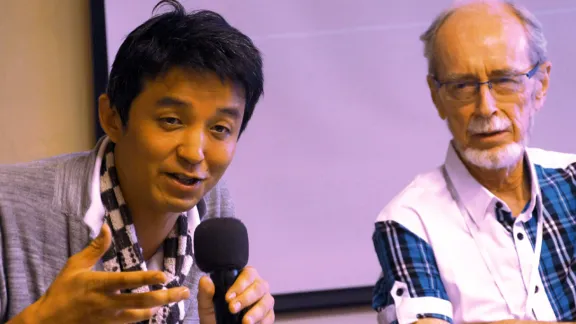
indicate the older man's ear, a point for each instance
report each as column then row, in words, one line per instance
column 434, row 94
column 543, row 82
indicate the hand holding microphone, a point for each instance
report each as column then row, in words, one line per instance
column 232, row 293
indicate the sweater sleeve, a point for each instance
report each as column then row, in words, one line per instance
column 3, row 289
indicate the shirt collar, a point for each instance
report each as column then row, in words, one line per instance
column 475, row 198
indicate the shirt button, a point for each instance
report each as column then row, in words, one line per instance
column 536, row 289
column 520, row 236
column 399, row 292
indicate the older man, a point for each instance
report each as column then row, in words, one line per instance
column 490, row 235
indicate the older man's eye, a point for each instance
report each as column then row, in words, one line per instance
column 463, row 85
column 505, row 80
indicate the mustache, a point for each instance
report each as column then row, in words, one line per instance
column 482, row 125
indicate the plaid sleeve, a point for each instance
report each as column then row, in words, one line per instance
column 410, row 287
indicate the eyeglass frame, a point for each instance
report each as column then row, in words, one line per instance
column 528, row 74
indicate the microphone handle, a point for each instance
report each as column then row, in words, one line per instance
column 223, row 280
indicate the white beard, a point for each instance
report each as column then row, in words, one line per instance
column 503, row 157
column 496, row 158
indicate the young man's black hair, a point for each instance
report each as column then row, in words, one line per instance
column 200, row 40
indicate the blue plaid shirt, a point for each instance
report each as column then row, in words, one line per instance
column 408, row 258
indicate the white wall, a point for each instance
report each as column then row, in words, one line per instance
column 45, row 79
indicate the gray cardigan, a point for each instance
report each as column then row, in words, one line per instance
column 42, row 206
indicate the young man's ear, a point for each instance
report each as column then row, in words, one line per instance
column 109, row 119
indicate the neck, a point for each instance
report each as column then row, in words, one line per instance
column 511, row 185
column 509, row 180
column 151, row 228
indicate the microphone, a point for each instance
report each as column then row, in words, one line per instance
column 221, row 250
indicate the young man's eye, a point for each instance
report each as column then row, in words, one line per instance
column 171, row 121
column 221, row 129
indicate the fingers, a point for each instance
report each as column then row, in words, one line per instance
column 205, row 294
column 149, row 299
column 133, row 315
column 112, row 281
column 260, row 311
column 252, row 294
column 249, row 290
column 268, row 319
column 88, row 257
column 244, row 280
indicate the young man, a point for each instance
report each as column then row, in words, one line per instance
column 182, row 89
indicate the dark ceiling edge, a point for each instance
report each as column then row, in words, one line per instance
column 323, row 299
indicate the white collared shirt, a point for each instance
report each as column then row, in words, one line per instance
column 94, row 217
column 453, row 259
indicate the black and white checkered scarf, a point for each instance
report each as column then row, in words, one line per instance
column 125, row 254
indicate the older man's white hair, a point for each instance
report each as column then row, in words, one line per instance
column 536, row 40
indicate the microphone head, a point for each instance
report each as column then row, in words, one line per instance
column 221, row 244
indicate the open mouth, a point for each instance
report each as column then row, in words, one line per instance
column 490, row 134
column 185, row 180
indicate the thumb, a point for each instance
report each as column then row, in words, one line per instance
column 205, row 304
column 88, row 257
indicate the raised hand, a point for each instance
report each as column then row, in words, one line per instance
column 81, row 295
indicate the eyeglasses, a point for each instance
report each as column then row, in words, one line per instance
column 505, row 86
